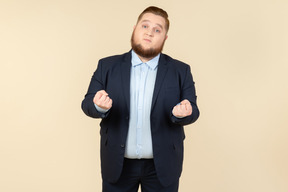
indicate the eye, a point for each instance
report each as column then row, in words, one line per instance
column 157, row 31
column 145, row 26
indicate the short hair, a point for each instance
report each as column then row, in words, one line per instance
column 156, row 11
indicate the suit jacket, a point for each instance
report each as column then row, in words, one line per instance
column 174, row 83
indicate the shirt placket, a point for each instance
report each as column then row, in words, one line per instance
column 140, row 108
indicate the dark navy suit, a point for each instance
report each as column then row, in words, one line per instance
column 174, row 83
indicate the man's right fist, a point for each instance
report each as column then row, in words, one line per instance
column 102, row 100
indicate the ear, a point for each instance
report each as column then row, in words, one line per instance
column 166, row 37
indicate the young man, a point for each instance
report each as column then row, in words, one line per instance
column 144, row 98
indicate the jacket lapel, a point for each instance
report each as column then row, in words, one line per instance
column 125, row 74
column 161, row 72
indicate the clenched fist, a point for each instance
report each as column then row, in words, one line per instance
column 102, row 100
column 182, row 109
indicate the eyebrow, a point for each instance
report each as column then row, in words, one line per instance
column 150, row 22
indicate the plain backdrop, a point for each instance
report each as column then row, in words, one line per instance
column 238, row 53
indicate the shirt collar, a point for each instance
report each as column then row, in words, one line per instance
column 153, row 63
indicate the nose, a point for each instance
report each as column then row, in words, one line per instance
column 149, row 32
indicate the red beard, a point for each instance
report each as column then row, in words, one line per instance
column 145, row 53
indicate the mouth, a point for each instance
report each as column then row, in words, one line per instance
column 147, row 40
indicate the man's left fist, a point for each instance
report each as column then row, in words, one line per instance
column 182, row 109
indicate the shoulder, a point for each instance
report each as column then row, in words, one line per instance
column 114, row 62
column 174, row 62
column 115, row 58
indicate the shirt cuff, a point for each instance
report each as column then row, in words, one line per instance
column 99, row 109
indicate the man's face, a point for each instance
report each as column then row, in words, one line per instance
column 149, row 36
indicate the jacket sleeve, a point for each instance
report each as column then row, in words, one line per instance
column 187, row 92
column 96, row 84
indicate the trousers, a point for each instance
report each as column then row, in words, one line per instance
column 138, row 173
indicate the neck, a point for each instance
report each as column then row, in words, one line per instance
column 144, row 59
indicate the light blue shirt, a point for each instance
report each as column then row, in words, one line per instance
column 143, row 76
column 142, row 82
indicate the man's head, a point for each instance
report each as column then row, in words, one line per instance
column 156, row 11
column 150, row 32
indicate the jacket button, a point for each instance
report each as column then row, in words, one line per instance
column 122, row 145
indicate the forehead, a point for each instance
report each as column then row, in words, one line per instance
column 153, row 19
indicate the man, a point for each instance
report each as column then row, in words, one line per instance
column 144, row 98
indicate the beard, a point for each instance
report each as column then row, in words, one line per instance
column 145, row 53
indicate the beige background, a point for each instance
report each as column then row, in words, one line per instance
column 238, row 51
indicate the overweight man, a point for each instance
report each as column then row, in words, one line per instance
column 144, row 98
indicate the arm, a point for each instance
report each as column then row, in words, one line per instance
column 186, row 112
column 96, row 96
